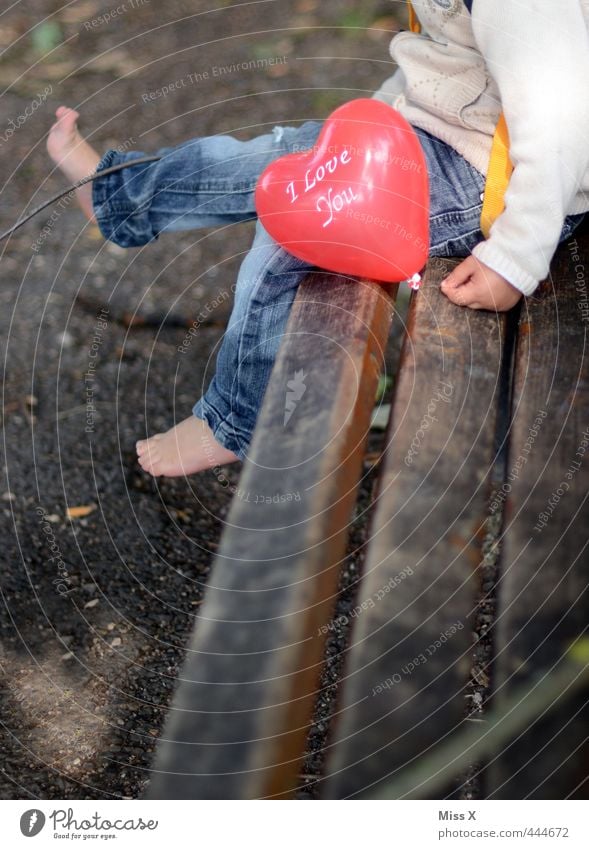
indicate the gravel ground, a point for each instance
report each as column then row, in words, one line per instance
column 97, row 606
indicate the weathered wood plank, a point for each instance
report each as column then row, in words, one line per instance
column 543, row 598
column 411, row 644
column 238, row 723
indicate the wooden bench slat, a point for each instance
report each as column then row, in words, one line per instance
column 238, row 724
column 543, row 598
column 400, row 695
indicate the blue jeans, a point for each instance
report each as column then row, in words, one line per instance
column 210, row 182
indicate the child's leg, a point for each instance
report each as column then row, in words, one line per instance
column 75, row 157
column 202, row 183
column 456, row 198
column 223, row 421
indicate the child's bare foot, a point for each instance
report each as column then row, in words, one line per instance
column 73, row 155
column 473, row 284
column 187, row 448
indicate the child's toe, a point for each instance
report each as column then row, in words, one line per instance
column 146, row 462
column 150, row 455
column 148, row 446
column 150, row 464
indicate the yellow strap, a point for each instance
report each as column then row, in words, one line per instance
column 500, row 167
column 414, row 24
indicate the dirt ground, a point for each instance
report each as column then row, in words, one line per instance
column 97, row 605
column 96, row 609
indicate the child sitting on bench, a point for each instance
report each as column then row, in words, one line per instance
column 469, row 63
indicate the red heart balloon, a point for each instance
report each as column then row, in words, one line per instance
column 358, row 201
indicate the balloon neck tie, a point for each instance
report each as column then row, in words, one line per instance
column 414, row 282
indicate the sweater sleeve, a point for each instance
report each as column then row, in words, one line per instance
column 538, row 54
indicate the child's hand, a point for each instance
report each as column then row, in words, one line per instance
column 473, row 284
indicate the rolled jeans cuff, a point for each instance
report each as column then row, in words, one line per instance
column 127, row 225
column 230, row 431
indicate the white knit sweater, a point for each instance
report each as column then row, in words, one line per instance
column 529, row 58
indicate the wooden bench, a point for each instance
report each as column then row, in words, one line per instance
column 488, row 417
